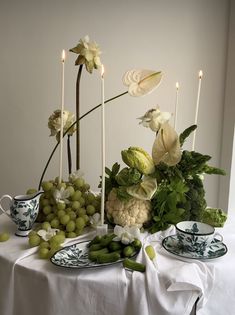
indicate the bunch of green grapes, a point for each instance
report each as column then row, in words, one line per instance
column 46, row 249
column 72, row 215
column 4, row 236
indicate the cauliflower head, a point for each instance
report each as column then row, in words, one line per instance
column 128, row 213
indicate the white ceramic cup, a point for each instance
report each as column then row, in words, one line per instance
column 197, row 236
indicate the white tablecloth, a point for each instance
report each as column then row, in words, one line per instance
column 29, row 285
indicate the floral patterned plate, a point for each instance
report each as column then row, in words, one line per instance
column 170, row 243
column 76, row 256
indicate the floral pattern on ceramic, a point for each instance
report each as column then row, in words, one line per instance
column 23, row 211
column 196, row 236
column 215, row 250
column 76, row 256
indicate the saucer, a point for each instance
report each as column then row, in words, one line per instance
column 215, row 250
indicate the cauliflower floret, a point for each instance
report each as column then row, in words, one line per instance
column 133, row 212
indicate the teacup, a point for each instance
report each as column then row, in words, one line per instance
column 197, row 236
column 23, row 211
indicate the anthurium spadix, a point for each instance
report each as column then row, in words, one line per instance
column 141, row 82
column 166, row 147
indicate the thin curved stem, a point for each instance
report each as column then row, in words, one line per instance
column 76, row 122
column 69, row 155
column 77, row 116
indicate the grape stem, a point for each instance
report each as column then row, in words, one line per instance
column 73, row 124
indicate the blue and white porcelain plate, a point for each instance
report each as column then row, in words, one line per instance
column 76, row 256
column 215, row 250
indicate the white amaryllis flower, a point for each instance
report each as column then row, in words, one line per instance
column 89, row 54
column 95, row 219
column 154, row 119
column 75, row 175
column 61, row 195
column 54, row 122
column 47, row 235
column 126, row 234
column 141, row 82
column 166, row 147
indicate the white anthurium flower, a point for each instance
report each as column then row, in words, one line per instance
column 166, row 147
column 61, row 195
column 75, row 175
column 154, row 119
column 47, row 235
column 141, row 82
column 95, row 219
column 126, row 234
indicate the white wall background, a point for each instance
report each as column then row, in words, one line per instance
column 179, row 37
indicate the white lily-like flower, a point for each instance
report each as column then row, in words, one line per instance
column 154, row 119
column 54, row 122
column 47, row 235
column 166, row 147
column 141, row 82
column 95, row 219
column 75, row 175
column 61, row 195
column 126, row 234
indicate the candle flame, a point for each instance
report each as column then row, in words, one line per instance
column 200, row 74
column 102, row 70
column 63, row 55
column 177, row 85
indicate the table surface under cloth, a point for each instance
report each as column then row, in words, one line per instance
column 29, row 285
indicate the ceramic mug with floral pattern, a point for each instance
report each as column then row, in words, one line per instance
column 197, row 236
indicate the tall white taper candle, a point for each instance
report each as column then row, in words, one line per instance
column 61, row 117
column 103, row 146
column 176, row 103
column 197, row 107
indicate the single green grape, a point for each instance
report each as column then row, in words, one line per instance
column 32, row 233
column 79, row 182
column 86, row 187
column 71, row 190
column 4, row 237
column 47, row 209
column 60, row 185
column 46, row 225
column 82, row 201
column 64, row 219
column 70, row 226
column 90, row 210
column 55, row 223
column 46, row 186
column 61, row 213
column 80, row 223
column 78, row 231
column 34, row 240
column 31, row 191
column 44, row 202
column 76, row 195
column 76, row 205
column 44, row 244
column 58, row 238
column 81, row 212
column 53, row 250
column 72, row 215
column 90, row 198
column 61, row 206
column 85, row 218
column 71, row 235
column 43, row 252
column 61, row 233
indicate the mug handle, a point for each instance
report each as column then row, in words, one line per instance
column 5, row 211
column 218, row 237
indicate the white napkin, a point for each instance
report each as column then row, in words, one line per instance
column 171, row 286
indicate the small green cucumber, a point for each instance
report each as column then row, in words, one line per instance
column 107, row 240
column 108, row 258
column 150, row 251
column 95, row 247
column 137, row 244
column 133, row 265
column 113, row 246
column 95, row 240
column 128, row 251
column 94, row 254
